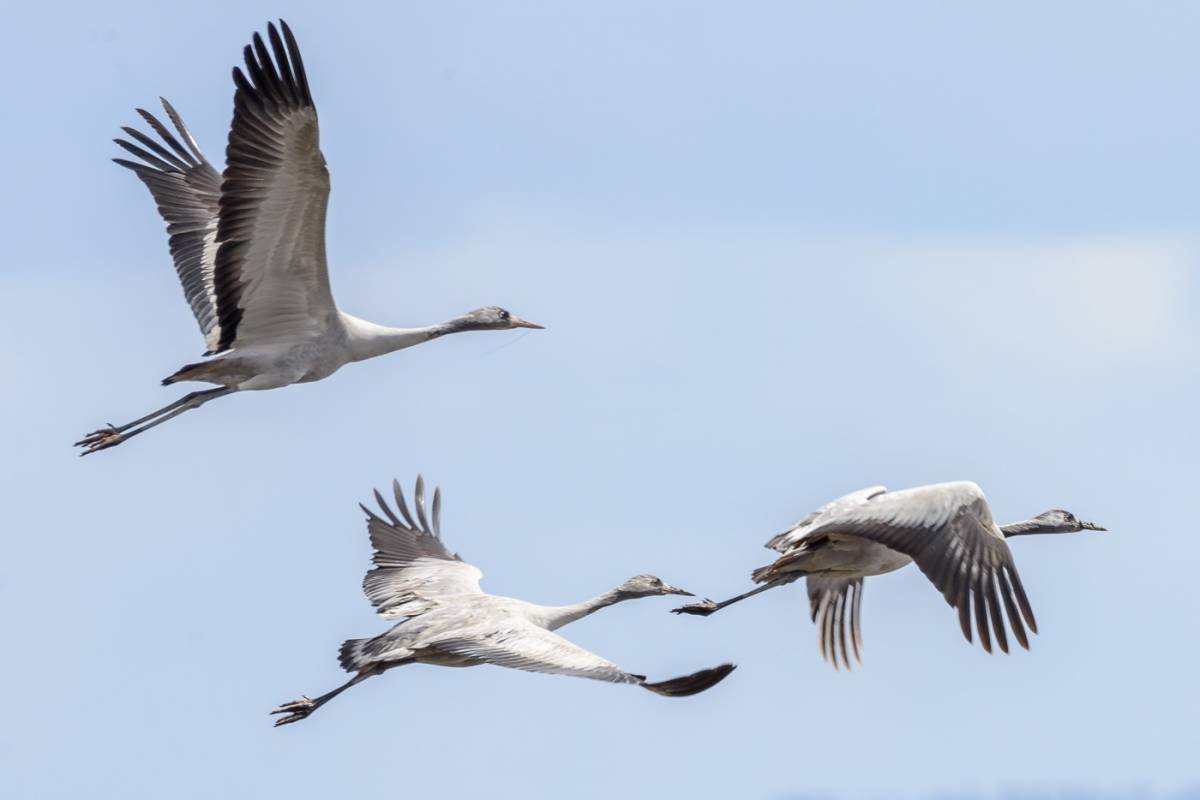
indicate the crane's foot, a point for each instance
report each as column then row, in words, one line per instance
column 295, row 710
column 701, row 609
column 102, row 439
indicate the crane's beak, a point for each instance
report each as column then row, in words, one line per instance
column 669, row 589
column 1090, row 526
column 517, row 322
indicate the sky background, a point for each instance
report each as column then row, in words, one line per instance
column 782, row 250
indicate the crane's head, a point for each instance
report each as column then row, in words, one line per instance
column 1059, row 521
column 1053, row 521
column 648, row 586
column 492, row 318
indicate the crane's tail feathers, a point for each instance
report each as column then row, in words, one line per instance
column 763, row 574
column 691, row 684
column 200, row 371
column 778, row 541
column 782, row 569
column 184, row 373
column 353, row 654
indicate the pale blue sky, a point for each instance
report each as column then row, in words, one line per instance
column 783, row 251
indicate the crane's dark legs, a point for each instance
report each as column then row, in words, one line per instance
column 113, row 435
column 706, row 606
column 302, row 708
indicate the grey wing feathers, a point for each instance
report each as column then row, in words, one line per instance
column 413, row 569
column 948, row 531
column 187, row 191
column 524, row 646
column 836, row 605
column 784, row 541
column 521, row 645
column 270, row 277
column 688, row 685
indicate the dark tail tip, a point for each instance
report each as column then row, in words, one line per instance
column 691, row 684
column 181, row 374
column 763, row 574
column 350, row 654
column 776, row 540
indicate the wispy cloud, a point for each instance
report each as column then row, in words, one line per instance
column 1048, row 304
column 1073, row 302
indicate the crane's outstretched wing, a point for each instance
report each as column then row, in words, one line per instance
column 413, row 569
column 836, row 603
column 518, row 644
column 783, row 542
column 522, row 645
column 271, row 280
column 948, row 530
column 187, row 191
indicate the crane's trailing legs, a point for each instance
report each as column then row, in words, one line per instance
column 300, row 709
column 113, row 435
column 706, row 606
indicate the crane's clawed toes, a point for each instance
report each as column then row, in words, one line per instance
column 295, row 710
column 701, row 609
column 100, row 440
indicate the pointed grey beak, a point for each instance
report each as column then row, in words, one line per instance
column 669, row 589
column 1090, row 526
column 517, row 322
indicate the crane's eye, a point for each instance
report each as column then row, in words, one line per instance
column 504, row 314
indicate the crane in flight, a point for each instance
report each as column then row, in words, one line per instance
column 447, row 620
column 249, row 244
column 946, row 528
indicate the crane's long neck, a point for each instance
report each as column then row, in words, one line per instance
column 367, row 340
column 557, row 616
column 1026, row 527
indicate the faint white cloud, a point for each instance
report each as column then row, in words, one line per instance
column 1068, row 303
column 1076, row 301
